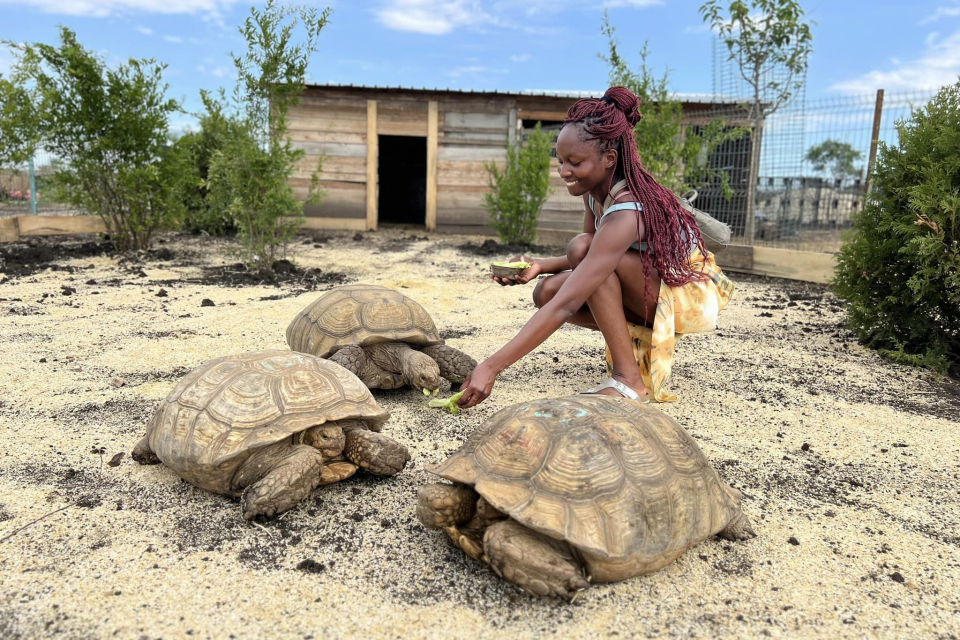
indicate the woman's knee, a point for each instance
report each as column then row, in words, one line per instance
column 577, row 249
column 544, row 291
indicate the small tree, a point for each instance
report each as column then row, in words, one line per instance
column 677, row 158
column 520, row 189
column 836, row 158
column 248, row 177
column 199, row 148
column 900, row 269
column 771, row 44
column 107, row 126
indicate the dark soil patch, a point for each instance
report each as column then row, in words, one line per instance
column 453, row 334
column 20, row 259
column 4, row 514
column 492, row 248
column 284, row 273
column 395, row 245
column 125, row 416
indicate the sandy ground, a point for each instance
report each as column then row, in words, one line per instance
column 848, row 463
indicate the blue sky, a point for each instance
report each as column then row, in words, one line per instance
column 518, row 45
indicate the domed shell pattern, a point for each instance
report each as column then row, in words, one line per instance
column 227, row 407
column 613, row 477
column 360, row 314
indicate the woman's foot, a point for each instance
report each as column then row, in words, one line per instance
column 619, row 387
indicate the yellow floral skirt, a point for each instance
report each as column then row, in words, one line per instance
column 692, row 308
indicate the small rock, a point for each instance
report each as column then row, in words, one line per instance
column 115, row 460
column 162, row 293
column 42, row 360
column 207, row 302
column 805, row 446
column 311, row 566
column 357, row 237
column 67, row 291
column 117, row 382
column 91, row 281
column 896, row 577
column 793, row 541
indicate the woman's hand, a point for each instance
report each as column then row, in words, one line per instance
column 478, row 386
column 528, row 274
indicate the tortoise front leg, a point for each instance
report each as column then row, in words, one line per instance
column 454, row 364
column 445, row 506
column 374, row 452
column 355, row 360
column 276, row 478
column 143, row 454
column 539, row 565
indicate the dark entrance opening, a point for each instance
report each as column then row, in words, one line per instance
column 403, row 180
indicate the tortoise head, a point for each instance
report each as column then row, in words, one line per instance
column 327, row 438
column 421, row 371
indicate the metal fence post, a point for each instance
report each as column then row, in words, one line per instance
column 33, row 189
column 874, row 140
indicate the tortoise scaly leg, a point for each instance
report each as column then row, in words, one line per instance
column 374, row 452
column 738, row 529
column 445, row 506
column 355, row 360
column 539, row 565
column 277, row 477
column 454, row 364
column 418, row 369
column 143, row 454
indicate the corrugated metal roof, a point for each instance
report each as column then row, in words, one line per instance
column 704, row 98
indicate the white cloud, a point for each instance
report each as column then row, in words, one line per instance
column 105, row 8
column 523, row 57
column 432, row 17
column 216, row 72
column 942, row 12
column 144, row 30
column 938, row 65
column 174, row 39
column 473, row 70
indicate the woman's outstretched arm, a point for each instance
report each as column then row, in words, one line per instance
column 610, row 243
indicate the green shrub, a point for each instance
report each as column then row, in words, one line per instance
column 519, row 191
column 199, row 148
column 249, row 174
column 109, row 128
column 900, row 268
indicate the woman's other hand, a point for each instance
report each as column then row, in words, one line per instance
column 478, row 386
column 528, row 274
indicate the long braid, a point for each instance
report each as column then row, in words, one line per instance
column 611, row 120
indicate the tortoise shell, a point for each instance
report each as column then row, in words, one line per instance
column 227, row 407
column 615, row 478
column 360, row 314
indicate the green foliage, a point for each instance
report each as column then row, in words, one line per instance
column 836, row 158
column 770, row 43
column 108, row 126
column 677, row 159
column 520, row 189
column 900, row 269
column 248, row 175
column 199, row 149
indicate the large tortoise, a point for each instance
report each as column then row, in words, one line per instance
column 555, row 494
column 269, row 426
column 382, row 336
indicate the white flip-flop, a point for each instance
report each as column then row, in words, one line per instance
column 617, row 386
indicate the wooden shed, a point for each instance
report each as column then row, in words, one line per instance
column 416, row 156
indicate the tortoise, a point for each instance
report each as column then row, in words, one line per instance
column 269, row 426
column 382, row 336
column 557, row 493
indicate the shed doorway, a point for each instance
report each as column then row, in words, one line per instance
column 402, row 174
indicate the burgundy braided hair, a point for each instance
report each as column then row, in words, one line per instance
column 611, row 120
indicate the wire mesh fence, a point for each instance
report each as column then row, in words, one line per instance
column 811, row 175
column 26, row 189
